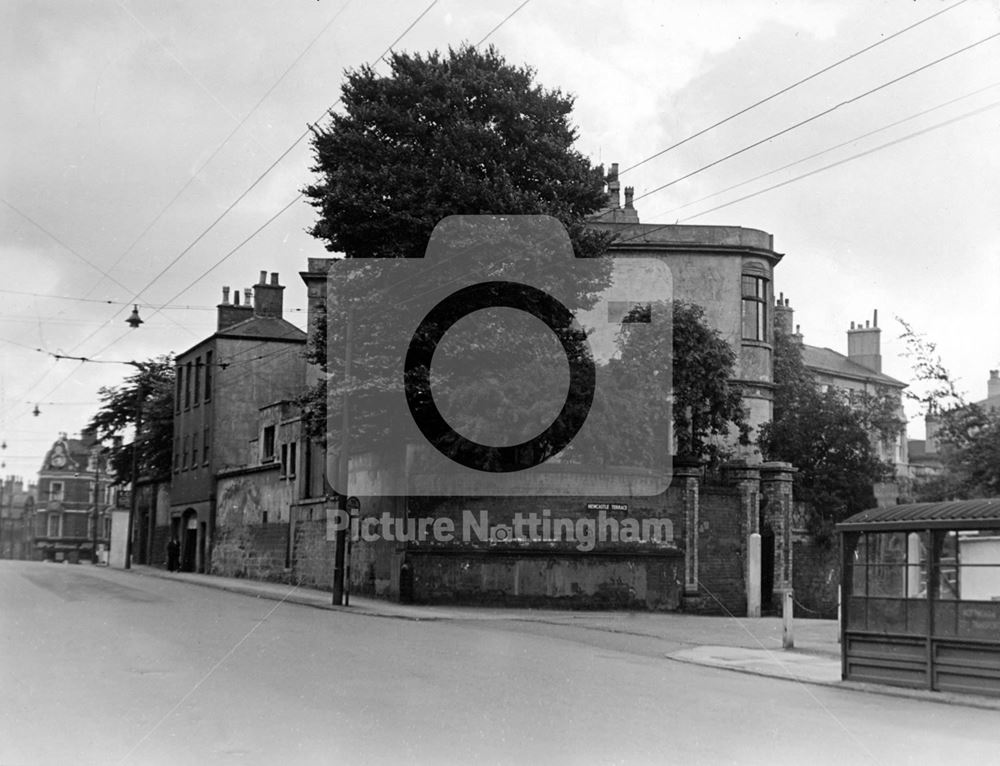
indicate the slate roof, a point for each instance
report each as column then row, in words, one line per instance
column 273, row 328
column 830, row 361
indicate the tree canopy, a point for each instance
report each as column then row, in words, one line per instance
column 825, row 438
column 462, row 133
column 149, row 390
column 968, row 434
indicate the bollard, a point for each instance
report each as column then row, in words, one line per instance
column 753, row 575
column 839, row 613
column 787, row 637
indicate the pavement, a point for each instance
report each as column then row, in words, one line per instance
column 745, row 645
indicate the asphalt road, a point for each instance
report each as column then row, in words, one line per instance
column 107, row 667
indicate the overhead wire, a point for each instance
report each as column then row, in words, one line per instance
column 818, row 115
column 829, row 149
column 794, row 85
column 211, row 226
column 859, row 155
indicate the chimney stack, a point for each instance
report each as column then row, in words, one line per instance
column 231, row 313
column 268, row 299
column 864, row 345
column 783, row 315
column 614, row 201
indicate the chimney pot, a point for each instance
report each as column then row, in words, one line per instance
column 263, row 278
column 247, row 292
column 236, row 298
column 274, row 278
column 875, row 319
column 866, row 323
column 852, row 325
column 225, row 296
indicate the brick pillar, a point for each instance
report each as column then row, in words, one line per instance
column 746, row 478
column 777, row 488
column 687, row 475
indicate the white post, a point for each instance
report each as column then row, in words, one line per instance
column 839, row 615
column 787, row 637
column 753, row 575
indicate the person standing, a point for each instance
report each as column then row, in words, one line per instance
column 173, row 555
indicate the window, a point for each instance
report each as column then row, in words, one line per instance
column 184, row 460
column 54, row 519
column 179, row 380
column 284, row 461
column 267, row 445
column 206, row 443
column 291, row 460
column 177, row 454
column 187, row 385
column 754, row 308
column 197, row 381
column 208, row 375
column 56, row 490
column 194, row 451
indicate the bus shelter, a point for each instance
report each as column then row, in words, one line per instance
column 920, row 587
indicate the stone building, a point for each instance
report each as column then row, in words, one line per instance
column 728, row 271
column 253, row 360
column 17, row 509
column 75, row 497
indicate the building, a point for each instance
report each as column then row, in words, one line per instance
column 75, row 497
column 858, row 374
column 17, row 508
column 728, row 271
column 253, row 360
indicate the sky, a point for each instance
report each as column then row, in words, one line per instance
column 133, row 130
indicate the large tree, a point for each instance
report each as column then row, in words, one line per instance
column 825, row 438
column 466, row 133
column 968, row 434
column 148, row 393
column 462, row 133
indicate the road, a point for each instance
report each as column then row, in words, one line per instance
column 98, row 666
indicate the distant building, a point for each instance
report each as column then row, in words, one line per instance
column 17, row 508
column 857, row 374
column 926, row 454
column 253, row 360
column 75, row 497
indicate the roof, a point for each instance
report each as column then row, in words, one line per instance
column 256, row 327
column 272, row 328
column 828, row 360
column 951, row 514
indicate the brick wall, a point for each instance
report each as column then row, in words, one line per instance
column 720, row 551
column 815, row 578
column 312, row 554
column 255, row 551
column 572, row 581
